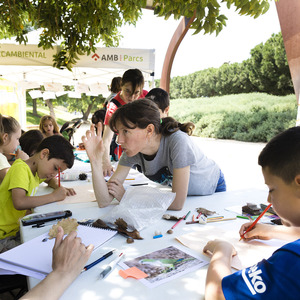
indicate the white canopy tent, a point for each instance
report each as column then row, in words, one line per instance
column 31, row 63
column 29, row 66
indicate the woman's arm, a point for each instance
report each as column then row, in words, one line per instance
column 94, row 148
column 107, row 138
column 180, row 186
column 69, row 258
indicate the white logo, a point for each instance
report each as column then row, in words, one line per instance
column 255, row 282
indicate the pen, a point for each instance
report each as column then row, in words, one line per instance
column 87, row 267
column 110, row 267
column 256, row 220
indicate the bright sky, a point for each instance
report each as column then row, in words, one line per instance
column 198, row 52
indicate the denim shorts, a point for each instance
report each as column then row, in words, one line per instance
column 221, row 186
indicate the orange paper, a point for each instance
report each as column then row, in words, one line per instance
column 133, row 272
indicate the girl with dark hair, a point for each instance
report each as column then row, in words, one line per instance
column 132, row 84
column 161, row 148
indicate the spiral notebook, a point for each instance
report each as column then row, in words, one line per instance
column 34, row 258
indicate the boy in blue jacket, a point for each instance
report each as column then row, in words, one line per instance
column 278, row 276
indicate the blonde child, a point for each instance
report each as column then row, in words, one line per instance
column 48, row 126
column 11, row 132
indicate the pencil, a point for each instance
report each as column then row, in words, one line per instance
column 59, row 177
column 177, row 222
column 256, row 220
column 129, row 179
column 219, row 219
column 14, row 154
column 187, row 215
column 183, row 218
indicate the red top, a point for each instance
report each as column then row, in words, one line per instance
column 112, row 107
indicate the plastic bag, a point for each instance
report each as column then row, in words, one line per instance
column 140, row 206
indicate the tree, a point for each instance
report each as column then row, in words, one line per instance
column 268, row 67
column 86, row 104
column 80, row 25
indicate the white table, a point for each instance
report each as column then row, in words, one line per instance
column 190, row 286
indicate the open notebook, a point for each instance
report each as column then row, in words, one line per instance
column 34, row 258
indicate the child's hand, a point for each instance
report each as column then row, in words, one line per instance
column 116, row 189
column 93, row 143
column 21, row 154
column 259, row 231
column 70, row 191
column 219, row 245
column 59, row 194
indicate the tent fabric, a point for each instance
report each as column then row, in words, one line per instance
column 34, row 64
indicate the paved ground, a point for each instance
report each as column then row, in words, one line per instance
column 238, row 160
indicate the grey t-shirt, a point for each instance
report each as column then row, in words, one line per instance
column 178, row 151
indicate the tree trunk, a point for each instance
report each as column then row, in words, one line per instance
column 34, row 107
column 51, row 107
column 87, row 112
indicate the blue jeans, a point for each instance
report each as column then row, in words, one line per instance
column 221, row 186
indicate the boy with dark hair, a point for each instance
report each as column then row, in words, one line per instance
column 278, row 276
column 162, row 100
column 21, row 182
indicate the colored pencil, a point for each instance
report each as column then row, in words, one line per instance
column 256, row 220
column 177, row 222
column 183, row 218
column 219, row 219
column 14, row 154
column 187, row 215
column 199, row 215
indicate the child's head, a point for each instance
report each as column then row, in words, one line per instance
column 48, row 125
column 115, row 85
column 11, row 134
column 137, row 114
column 280, row 162
column 30, row 140
column 132, row 84
column 54, row 152
column 162, row 100
column 143, row 112
column 98, row 116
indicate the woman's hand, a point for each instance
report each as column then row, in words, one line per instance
column 93, row 143
column 116, row 189
column 69, row 254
